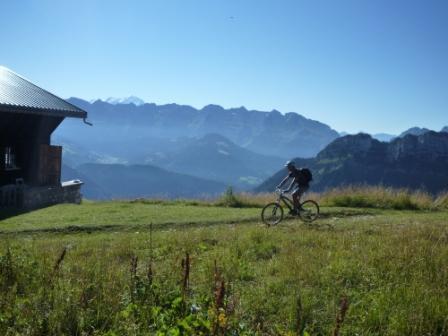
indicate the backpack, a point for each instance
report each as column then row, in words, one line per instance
column 307, row 175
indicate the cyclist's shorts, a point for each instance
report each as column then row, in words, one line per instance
column 300, row 190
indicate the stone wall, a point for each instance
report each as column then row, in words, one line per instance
column 38, row 197
column 10, row 196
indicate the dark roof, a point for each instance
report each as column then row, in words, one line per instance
column 21, row 96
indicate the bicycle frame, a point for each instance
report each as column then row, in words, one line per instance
column 286, row 201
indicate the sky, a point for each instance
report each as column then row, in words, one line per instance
column 357, row 65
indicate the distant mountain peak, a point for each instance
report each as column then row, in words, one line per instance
column 414, row 131
column 127, row 100
column 383, row 137
column 213, row 107
column 348, row 145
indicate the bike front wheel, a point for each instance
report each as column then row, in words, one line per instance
column 309, row 211
column 272, row 214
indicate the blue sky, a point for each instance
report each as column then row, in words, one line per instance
column 357, row 65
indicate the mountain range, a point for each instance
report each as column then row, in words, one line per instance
column 133, row 146
column 386, row 137
column 415, row 162
column 181, row 139
column 152, row 126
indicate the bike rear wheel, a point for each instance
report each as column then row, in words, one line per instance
column 272, row 214
column 309, row 211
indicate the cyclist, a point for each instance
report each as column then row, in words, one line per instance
column 300, row 184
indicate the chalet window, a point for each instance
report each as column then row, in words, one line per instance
column 9, row 160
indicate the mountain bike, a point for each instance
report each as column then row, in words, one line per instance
column 273, row 213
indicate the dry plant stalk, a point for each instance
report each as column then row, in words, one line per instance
column 58, row 262
column 220, row 293
column 343, row 307
column 299, row 317
column 150, row 273
column 7, row 269
column 221, row 310
column 134, row 276
column 83, row 299
column 218, row 287
column 185, row 273
column 215, row 275
column 231, row 299
column 133, row 269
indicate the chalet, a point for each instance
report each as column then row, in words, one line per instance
column 30, row 167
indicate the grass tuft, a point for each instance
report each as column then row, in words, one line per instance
column 377, row 197
column 231, row 200
column 441, row 202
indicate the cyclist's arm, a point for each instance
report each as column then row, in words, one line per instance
column 283, row 182
column 291, row 185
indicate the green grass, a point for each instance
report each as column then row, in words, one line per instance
column 391, row 265
column 132, row 215
column 119, row 214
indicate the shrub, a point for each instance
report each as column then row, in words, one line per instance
column 229, row 199
column 441, row 202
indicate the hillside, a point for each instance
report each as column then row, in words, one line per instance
column 90, row 188
column 118, row 126
column 212, row 157
column 216, row 158
column 74, row 154
column 134, row 181
column 415, row 162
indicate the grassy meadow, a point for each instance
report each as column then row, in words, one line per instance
column 151, row 267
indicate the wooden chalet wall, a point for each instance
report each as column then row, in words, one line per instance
column 28, row 135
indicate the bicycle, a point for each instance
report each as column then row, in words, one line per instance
column 272, row 213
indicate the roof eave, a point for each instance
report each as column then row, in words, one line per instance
column 47, row 112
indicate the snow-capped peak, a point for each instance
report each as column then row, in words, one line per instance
column 127, row 100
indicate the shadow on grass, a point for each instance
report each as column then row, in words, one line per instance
column 6, row 213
